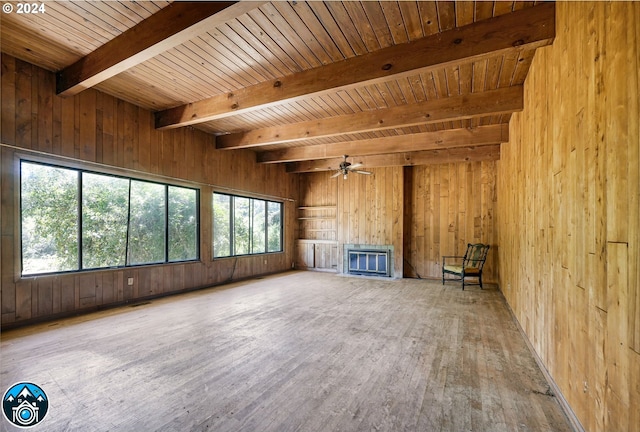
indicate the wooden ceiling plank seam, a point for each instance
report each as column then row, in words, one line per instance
column 50, row 57
column 464, row 13
column 333, row 77
column 417, row 88
column 429, row 85
column 452, row 75
column 181, row 61
column 362, row 25
column 306, row 107
column 220, row 58
column 243, row 50
column 522, row 68
column 493, row 72
column 258, row 51
column 446, row 15
column 298, row 34
column 519, row 5
column 339, row 102
column 347, row 99
column 466, row 78
column 168, row 28
column 502, row 8
column 328, row 22
column 164, row 69
column 92, row 30
column 269, row 43
column 132, row 12
column 165, row 81
column 429, row 17
column 427, row 157
column 440, row 81
column 378, row 96
column 394, row 90
column 203, row 65
column 317, row 29
column 112, row 19
column 486, row 135
column 466, row 106
column 508, row 69
column 365, row 93
column 286, row 114
column 383, row 89
column 329, row 109
column 406, row 88
column 347, row 26
column 142, row 9
column 483, row 10
column 479, row 81
column 379, row 23
column 371, row 94
column 410, row 15
column 123, row 87
column 396, row 23
column 58, row 26
column 275, row 30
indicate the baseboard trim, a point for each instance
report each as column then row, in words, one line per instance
column 566, row 408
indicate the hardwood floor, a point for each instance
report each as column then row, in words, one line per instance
column 302, row 351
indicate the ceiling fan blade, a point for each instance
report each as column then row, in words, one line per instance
column 336, row 174
column 362, row 172
column 355, row 165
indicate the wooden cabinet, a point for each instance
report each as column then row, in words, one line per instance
column 317, row 255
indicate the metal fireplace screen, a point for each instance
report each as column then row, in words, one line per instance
column 373, row 263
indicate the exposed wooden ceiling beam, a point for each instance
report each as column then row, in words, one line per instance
column 427, row 157
column 492, row 102
column 171, row 26
column 450, row 138
column 521, row 30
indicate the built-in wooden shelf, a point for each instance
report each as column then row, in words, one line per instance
column 317, row 208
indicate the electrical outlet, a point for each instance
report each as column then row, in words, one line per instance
column 265, row 262
column 130, row 281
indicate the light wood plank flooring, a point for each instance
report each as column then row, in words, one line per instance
column 302, row 351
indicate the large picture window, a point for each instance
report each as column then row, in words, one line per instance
column 245, row 226
column 74, row 220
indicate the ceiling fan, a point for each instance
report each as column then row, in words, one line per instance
column 347, row 167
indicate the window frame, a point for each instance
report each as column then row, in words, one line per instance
column 79, row 169
column 231, row 223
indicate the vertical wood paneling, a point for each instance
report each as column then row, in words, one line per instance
column 370, row 212
column 462, row 196
column 568, row 191
column 95, row 127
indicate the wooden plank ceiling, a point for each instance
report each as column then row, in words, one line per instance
column 302, row 83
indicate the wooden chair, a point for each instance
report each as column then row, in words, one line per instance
column 469, row 265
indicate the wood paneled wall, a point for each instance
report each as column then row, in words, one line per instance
column 423, row 211
column 95, row 128
column 569, row 212
column 446, row 207
column 370, row 211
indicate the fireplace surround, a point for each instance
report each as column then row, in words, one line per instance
column 368, row 260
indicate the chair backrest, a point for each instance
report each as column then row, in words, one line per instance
column 476, row 255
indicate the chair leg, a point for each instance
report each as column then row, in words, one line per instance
column 480, row 278
column 463, row 282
